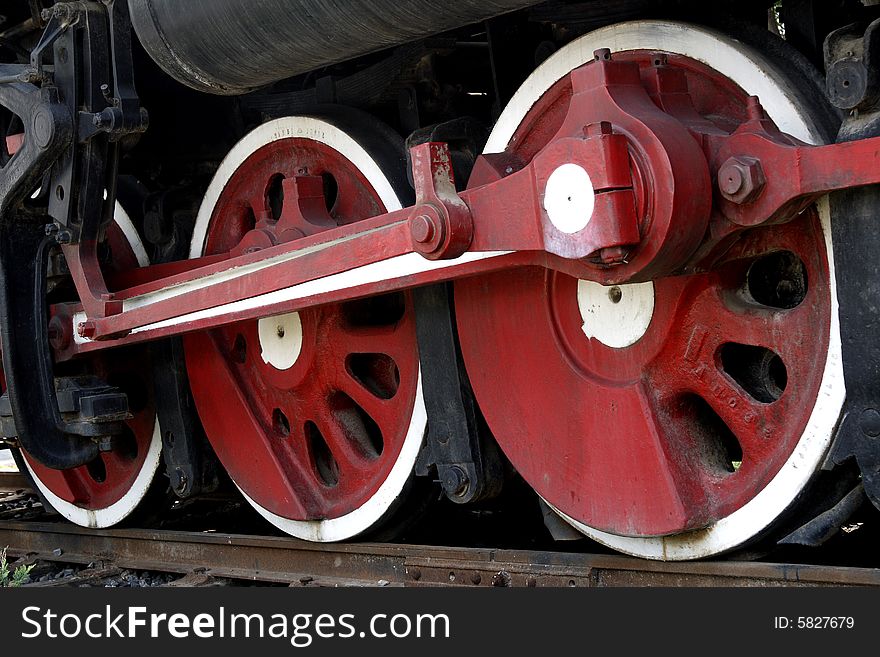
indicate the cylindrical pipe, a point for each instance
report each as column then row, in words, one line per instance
column 235, row 46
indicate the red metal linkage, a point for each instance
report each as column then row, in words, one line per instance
column 648, row 162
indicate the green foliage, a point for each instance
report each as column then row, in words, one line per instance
column 17, row 577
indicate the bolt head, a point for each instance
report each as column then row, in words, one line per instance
column 741, row 179
column 731, row 180
column 869, row 423
column 422, row 229
column 58, row 336
column 455, row 480
column 86, row 329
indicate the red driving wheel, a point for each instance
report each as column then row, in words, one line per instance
column 667, row 418
column 317, row 415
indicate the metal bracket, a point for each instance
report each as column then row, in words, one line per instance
column 858, row 293
column 468, row 466
column 184, row 444
column 852, row 56
column 86, row 403
column 82, row 36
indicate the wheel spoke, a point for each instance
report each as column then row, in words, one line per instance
column 255, row 450
column 115, row 464
column 381, row 410
column 642, row 456
column 749, row 325
column 69, row 484
column 257, row 205
column 390, row 340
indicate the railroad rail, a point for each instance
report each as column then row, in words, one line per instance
column 284, row 560
column 290, row 561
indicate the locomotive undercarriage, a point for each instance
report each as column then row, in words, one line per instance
column 609, row 256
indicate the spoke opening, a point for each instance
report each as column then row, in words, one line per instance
column 377, row 373
column 125, row 444
column 331, row 191
column 97, row 470
column 778, row 280
column 717, row 446
column 280, row 423
column 323, row 463
column 758, row 371
column 275, row 195
column 239, row 349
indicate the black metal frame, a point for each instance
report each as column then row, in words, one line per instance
column 467, row 462
column 74, row 114
column 851, row 55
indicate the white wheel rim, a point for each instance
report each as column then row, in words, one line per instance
column 122, row 508
column 757, row 76
column 376, row 507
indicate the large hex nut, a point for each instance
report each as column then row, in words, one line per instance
column 741, row 179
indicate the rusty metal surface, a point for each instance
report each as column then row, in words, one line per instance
column 285, row 560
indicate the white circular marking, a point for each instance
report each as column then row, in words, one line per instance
column 281, row 339
column 758, row 76
column 122, row 508
column 382, row 502
column 569, row 198
column 618, row 315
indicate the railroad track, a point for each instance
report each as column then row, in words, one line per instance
column 281, row 560
column 294, row 562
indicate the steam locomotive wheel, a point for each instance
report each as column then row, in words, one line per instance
column 109, row 489
column 317, row 416
column 681, row 417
